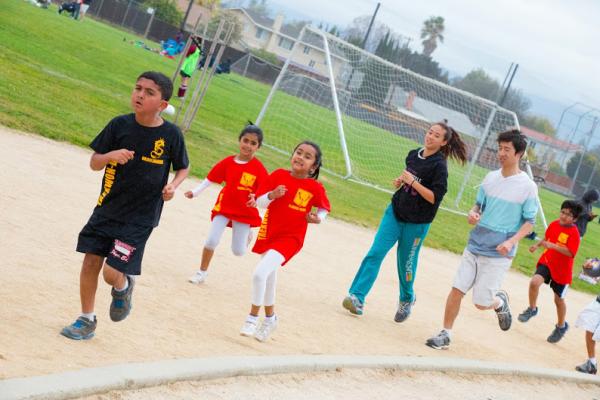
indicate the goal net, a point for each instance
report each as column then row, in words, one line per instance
column 367, row 113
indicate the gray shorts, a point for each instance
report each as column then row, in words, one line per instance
column 483, row 274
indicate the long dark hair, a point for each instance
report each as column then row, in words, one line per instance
column 455, row 147
column 318, row 158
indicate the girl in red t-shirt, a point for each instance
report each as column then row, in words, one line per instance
column 242, row 174
column 289, row 196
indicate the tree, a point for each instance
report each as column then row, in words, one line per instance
column 481, row 84
column 267, row 56
column 259, row 7
column 432, row 31
column 230, row 18
column 356, row 31
column 165, row 10
column 210, row 4
column 540, row 124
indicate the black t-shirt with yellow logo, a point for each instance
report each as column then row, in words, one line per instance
column 132, row 192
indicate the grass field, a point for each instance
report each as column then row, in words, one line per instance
column 66, row 79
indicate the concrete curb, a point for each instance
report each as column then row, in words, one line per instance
column 91, row 381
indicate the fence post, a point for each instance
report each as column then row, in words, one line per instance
column 149, row 23
column 126, row 12
column 247, row 64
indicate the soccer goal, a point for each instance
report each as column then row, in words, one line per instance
column 367, row 113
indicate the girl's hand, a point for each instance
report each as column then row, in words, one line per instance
column 407, row 177
column 278, row 192
column 189, row 194
column 397, row 182
column 313, row 218
column 251, row 200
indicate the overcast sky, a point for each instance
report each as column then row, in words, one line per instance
column 555, row 42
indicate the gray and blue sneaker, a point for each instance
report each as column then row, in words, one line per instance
column 81, row 329
column 121, row 304
column 587, row 368
column 439, row 342
column 528, row 314
column 558, row 333
column 503, row 313
column 353, row 304
column 404, row 309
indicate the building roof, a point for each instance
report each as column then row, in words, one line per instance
column 540, row 137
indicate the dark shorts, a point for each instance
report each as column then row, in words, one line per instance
column 122, row 244
column 558, row 288
column 183, row 74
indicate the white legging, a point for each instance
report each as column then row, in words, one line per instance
column 264, row 279
column 239, row 241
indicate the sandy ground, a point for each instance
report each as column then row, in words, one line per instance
column 358, row 384
column 48, row 193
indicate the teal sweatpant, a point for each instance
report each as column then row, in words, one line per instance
column 391, row 231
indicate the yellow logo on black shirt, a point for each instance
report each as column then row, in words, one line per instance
column 156, row 154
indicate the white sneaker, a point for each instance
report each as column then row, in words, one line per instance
column 249, row 328
column 265, row 329
column 199, row 277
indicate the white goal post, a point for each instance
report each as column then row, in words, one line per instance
column 366, row 113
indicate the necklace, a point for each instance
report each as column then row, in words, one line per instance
column 420, row 153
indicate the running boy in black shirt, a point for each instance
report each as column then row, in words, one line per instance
column 136, row 152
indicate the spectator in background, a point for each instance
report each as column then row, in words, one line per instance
column 587, row 200
column 84, row 7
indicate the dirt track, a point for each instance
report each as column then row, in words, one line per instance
column 48, row 194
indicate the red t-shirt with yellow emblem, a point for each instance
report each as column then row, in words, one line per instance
column 240, row 179
column 284, row 225
column 560, row 265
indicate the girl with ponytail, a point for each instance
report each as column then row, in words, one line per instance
column 406, row 220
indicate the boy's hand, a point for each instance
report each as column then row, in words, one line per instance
column 533, row 248
column 313, row 218
column 168, row 192
column 592, row 216
column 189, row 194
column 122, row 156
column 473, row 217
column 505, row 247
column 251, row 200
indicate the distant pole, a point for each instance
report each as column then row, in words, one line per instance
column 508, row 85
column 504, row 81
column 364, row 43
column 187, row 12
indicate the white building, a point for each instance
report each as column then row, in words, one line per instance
column 272, row 35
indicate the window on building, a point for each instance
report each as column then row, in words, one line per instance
column 306, row 50
column 312, row 63
column 260, row 33
column 285, row 43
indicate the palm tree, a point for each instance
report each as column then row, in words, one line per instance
column 432, row 31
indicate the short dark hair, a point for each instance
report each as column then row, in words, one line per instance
column 574, row 206
column 515, row 137
column 251, row 128
column 162, row 81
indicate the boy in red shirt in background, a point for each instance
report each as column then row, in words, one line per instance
column 555, row 266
